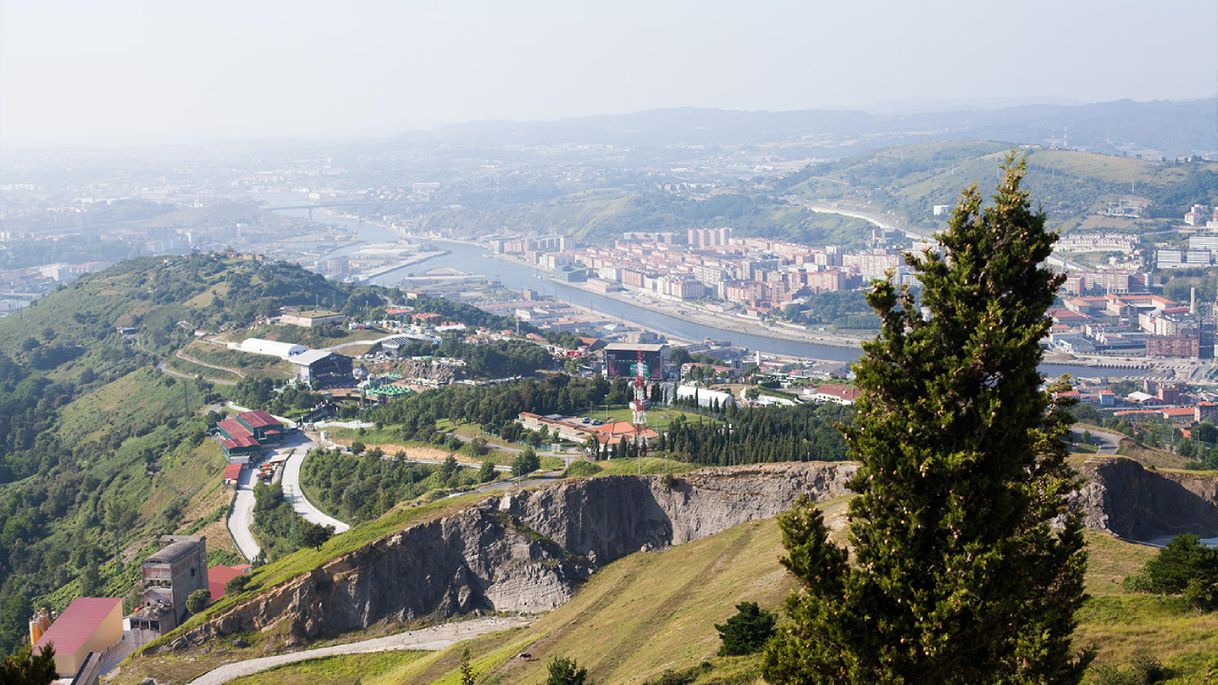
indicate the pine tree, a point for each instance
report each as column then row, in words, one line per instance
column 958, row 575
column 467, row 671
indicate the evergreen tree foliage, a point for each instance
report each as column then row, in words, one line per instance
column 198, row 600
column 747, row 631
column 565, row 671
column 525, row 463
column 26, row 668
column 958, row 575
column 1184, row 566
column 467, row 671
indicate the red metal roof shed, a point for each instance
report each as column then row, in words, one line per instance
column 76, row 624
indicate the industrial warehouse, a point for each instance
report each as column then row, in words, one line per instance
column 244, row 435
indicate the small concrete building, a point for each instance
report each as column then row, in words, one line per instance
column 313, row 318
column 168, row 577
column 88, row 624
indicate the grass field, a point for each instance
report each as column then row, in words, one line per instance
column 140, row 398
column 636, row 617
column 348, row 669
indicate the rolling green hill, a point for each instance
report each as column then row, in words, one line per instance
column 100, row 453
column 602, row 216
column 909, row 179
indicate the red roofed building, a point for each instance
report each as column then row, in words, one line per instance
column 219, row 575
column 836, row 394
column 232, row 473
column 245, row 434
column 89, row 624
column 609, row 433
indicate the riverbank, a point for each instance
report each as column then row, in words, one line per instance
column 377, row 272
column 704, row 316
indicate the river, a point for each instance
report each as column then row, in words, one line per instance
column 474, row 259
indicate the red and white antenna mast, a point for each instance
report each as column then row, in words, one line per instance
column 639, row 404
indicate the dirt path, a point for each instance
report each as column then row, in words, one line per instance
column 165, row 369
column 426, row 639
column 187, row 358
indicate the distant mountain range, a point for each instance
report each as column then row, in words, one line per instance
column 1151, row 129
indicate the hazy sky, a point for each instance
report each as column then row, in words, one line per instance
column 116, row 72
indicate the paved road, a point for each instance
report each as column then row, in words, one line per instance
column 241, row 517
column 1106, row 443
column 300, row 446
column 426, row 639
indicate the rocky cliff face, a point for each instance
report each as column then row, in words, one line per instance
column 1122, row 497
column 523, row 552
column 528, row 551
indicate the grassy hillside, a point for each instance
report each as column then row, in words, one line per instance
column 602, row 216
column 100, row 453
column 910, row 179
column 653, row 612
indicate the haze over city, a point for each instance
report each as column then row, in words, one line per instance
column 658, row 343
column 124, row 73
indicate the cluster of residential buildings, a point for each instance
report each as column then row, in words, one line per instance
column 1201, row 216
column 756, row 273
column 1097, row 241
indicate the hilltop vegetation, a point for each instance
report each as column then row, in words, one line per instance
column 909, row 179
column 99, row 452
column 600, row 217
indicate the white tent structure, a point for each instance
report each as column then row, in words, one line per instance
column 273, row 348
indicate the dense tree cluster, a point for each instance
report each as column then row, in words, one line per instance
column 262, row 393
column 844, row 309
column 757, row 435
column 494, row 407
column 280, row 530
column 497, row 359
column 362, row 487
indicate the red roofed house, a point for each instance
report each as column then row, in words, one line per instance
column 837, row 394
column 219, row 575
column 89, row 624
column 609, row 433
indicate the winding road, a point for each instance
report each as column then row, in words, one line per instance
column 426, row 639
column 241, row 516
column 292, row 491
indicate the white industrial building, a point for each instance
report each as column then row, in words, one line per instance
column 705, row 396
column 273, row 348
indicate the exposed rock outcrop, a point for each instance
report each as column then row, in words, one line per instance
column 528, row 551
column 525, row 551
column 1122, row 497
